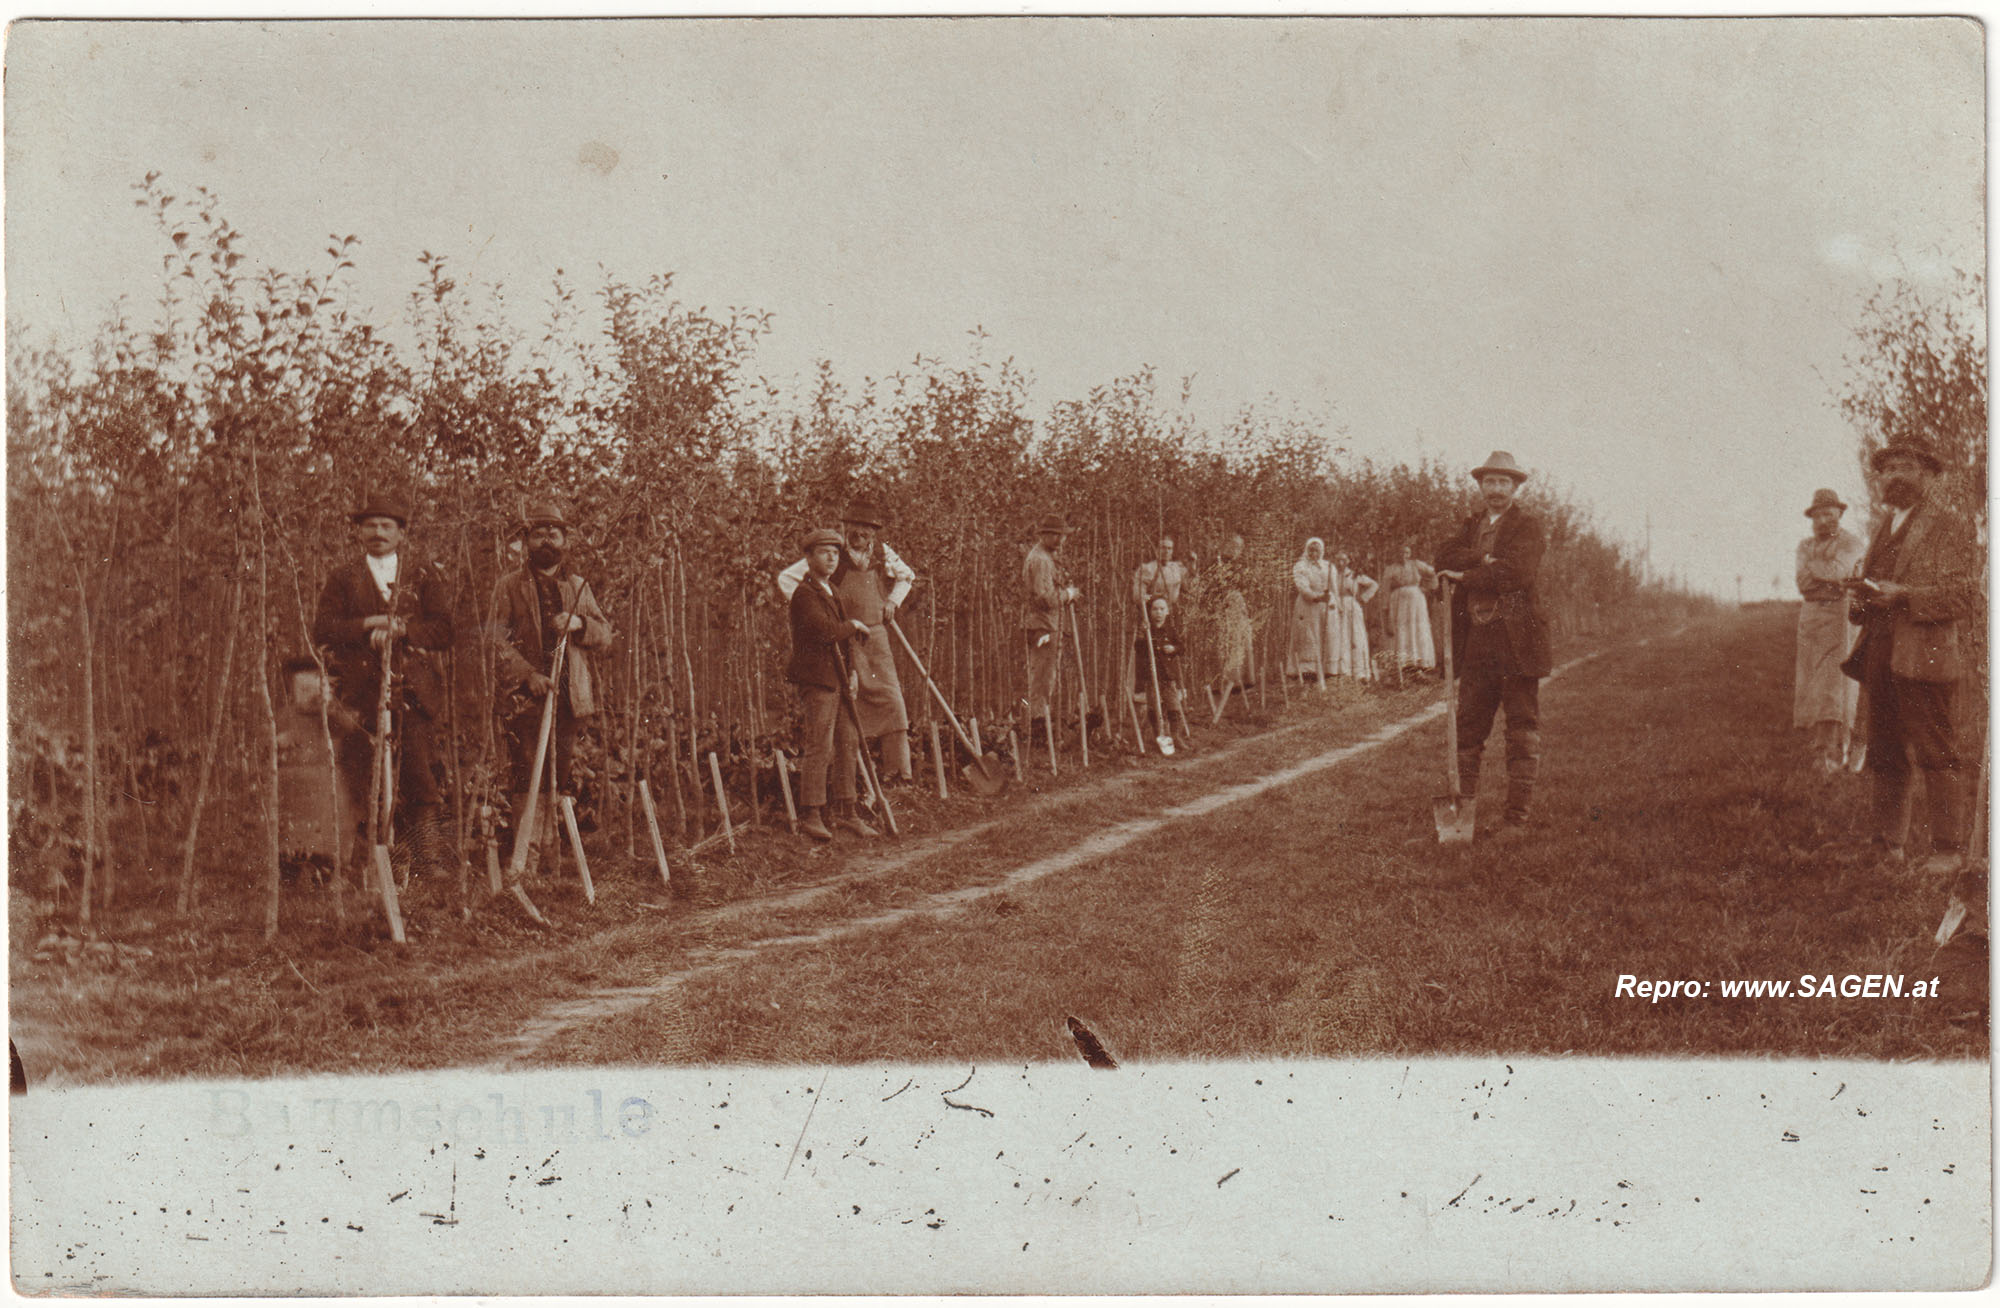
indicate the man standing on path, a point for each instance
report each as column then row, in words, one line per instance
column 830, row 747
column 1822, row 697
column 872, row 582
column 388, row 598
column 534, row 607
column 1499, row 635
column 1922, row 581
column 1043, row 593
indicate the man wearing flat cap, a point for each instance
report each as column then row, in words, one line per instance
column 1922, row 585
column 387, row 597
column 1043, row 594
column 872, row 582
column 821, row 632
column 1499, row 634
column 534, row 607
column 1823, row 699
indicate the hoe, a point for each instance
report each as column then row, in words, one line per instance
column 1452, row 812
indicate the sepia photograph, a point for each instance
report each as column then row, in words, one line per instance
column 997, row 655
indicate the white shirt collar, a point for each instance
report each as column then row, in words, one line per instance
column 383, row 570
column 1897, row 517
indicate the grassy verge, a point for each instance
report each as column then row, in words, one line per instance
column 1678, row 838
column 153, row 996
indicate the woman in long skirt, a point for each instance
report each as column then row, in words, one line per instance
column 1409, row 611
column 1315, row 620
column 1355, row 590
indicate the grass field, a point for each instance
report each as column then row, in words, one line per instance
column 1179, row 908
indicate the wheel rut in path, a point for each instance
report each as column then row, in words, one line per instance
column 606, row 1002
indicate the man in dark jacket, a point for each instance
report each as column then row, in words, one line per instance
column 1922, row 581
column 820, row 628
column 1499, row 635
column 389, row 599
column 534, row 606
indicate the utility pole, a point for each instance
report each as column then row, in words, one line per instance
column 1739, row 590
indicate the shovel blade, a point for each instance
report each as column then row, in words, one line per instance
column 1453, row 815
column 1165, row 744
column 985, row 775
column 1954, row 918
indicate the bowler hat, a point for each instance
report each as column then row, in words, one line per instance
column 1503, row 462
column 1053, row 522
column 1915, row 446
column 543, row 513
column 380, row 505
column 1825, row 499
column 820, row 536
column 862, row 513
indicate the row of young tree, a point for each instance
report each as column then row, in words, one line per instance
column 177, row 497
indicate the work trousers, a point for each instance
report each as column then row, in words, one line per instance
column 1914, row 720
column 1043, row 660
column 1483, row 690
column 830, row 744
column 417, row 782
column 523, row 730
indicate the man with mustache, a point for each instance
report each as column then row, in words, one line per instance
column 1044, row 591
column 534, row 607
column 1499, row 634
column 1921, row 582
column 388, row 596
column 1822, row 699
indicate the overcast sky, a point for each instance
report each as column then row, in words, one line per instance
column 1633, row 252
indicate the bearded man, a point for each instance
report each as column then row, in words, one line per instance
column 534, row 607
column 1921, row 584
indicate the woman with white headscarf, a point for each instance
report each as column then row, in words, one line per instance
column 1315, row 620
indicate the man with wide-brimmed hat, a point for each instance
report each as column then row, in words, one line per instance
column 1823, row 699
column 872, row 581
column 1921, row 587
column 534, row 607
column 1499, row 634
column 389, row 598
column 1044, row 591
column 821, row 630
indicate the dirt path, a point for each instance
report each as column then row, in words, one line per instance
column 1216, row 769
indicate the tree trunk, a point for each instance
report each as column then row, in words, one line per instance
column 184, row 900
column 272, row 871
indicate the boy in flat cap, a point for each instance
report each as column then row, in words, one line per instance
column 820, row 630
column 388, row 597
column 1499, row 634
column 872, row 582
column 534, row 607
